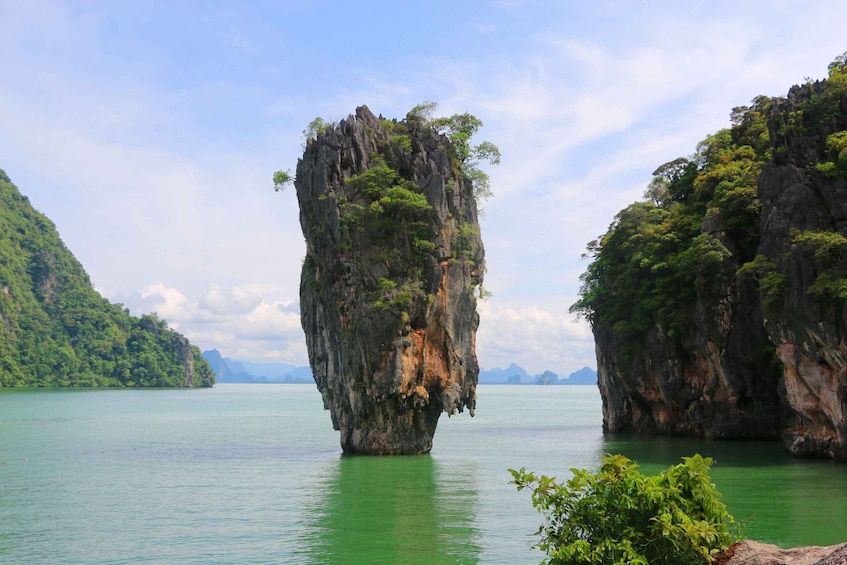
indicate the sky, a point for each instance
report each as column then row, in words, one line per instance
column 149, row 131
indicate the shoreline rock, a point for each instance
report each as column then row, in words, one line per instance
column 756, row 553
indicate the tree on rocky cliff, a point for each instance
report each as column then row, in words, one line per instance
column 460, row 128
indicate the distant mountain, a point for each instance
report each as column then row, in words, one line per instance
column 235, row 371
column 585, row 376
column 515, row 374
column 547, row 378
column 270, row 370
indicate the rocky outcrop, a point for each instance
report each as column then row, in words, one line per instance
column 756, row 553
column 393, row 257
column 716, row 380
column 808, row 324
column 707, row 385
column 749, row 338
column 185, row 354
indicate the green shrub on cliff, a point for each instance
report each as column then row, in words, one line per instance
column 836, row 148
column 620, row 515
column 460, row 128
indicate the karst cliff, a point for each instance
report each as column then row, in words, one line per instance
column 56, row 329
column 718, row 303
column 387, row 291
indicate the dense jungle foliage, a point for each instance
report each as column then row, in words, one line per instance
column 697, row 232
column 56, row 330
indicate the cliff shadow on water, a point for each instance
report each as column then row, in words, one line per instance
column 388, row 289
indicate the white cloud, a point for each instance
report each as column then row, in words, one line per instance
column 218, row 300
column 535, row 338
column 168, row 303
column 237, row 321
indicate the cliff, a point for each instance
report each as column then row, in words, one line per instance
column 393, row 259
column 803, row 190
column 56, row 330
column 718, row 305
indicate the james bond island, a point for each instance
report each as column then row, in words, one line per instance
column 394, row 264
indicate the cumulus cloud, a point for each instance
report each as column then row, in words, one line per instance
column 168, row 303
column 237, row 321
column 233, row 300
column 535, row 338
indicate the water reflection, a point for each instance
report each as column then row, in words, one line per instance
column 393, row 510
column 780, row 499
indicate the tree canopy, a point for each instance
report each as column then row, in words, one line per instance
column 460, row 128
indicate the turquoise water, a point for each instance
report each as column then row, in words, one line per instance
column 254, row 474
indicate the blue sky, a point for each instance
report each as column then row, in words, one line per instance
column 148, row 132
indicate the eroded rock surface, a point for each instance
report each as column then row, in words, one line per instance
column 706, row 386
column 758, row 349
column 393, row 259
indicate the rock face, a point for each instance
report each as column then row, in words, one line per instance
column 755, row 553
column 706, row 386
column 808, row 326
column 758, row 349
column 393, row 257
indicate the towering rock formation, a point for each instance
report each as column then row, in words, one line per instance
column 804, row 234
column 720, row 308
column 393, row 257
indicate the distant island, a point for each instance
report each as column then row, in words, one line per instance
column 517, row 375
column 237, row 371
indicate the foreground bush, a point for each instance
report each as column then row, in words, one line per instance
column 620, row 515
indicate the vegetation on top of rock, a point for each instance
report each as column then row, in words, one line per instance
column 619, row 515
column 459, row 128
column 719, row 303
column 698, row 229
column 56, row 330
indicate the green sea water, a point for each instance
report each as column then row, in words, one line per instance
column 254, row 474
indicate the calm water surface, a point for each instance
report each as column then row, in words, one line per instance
column 253, row 474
